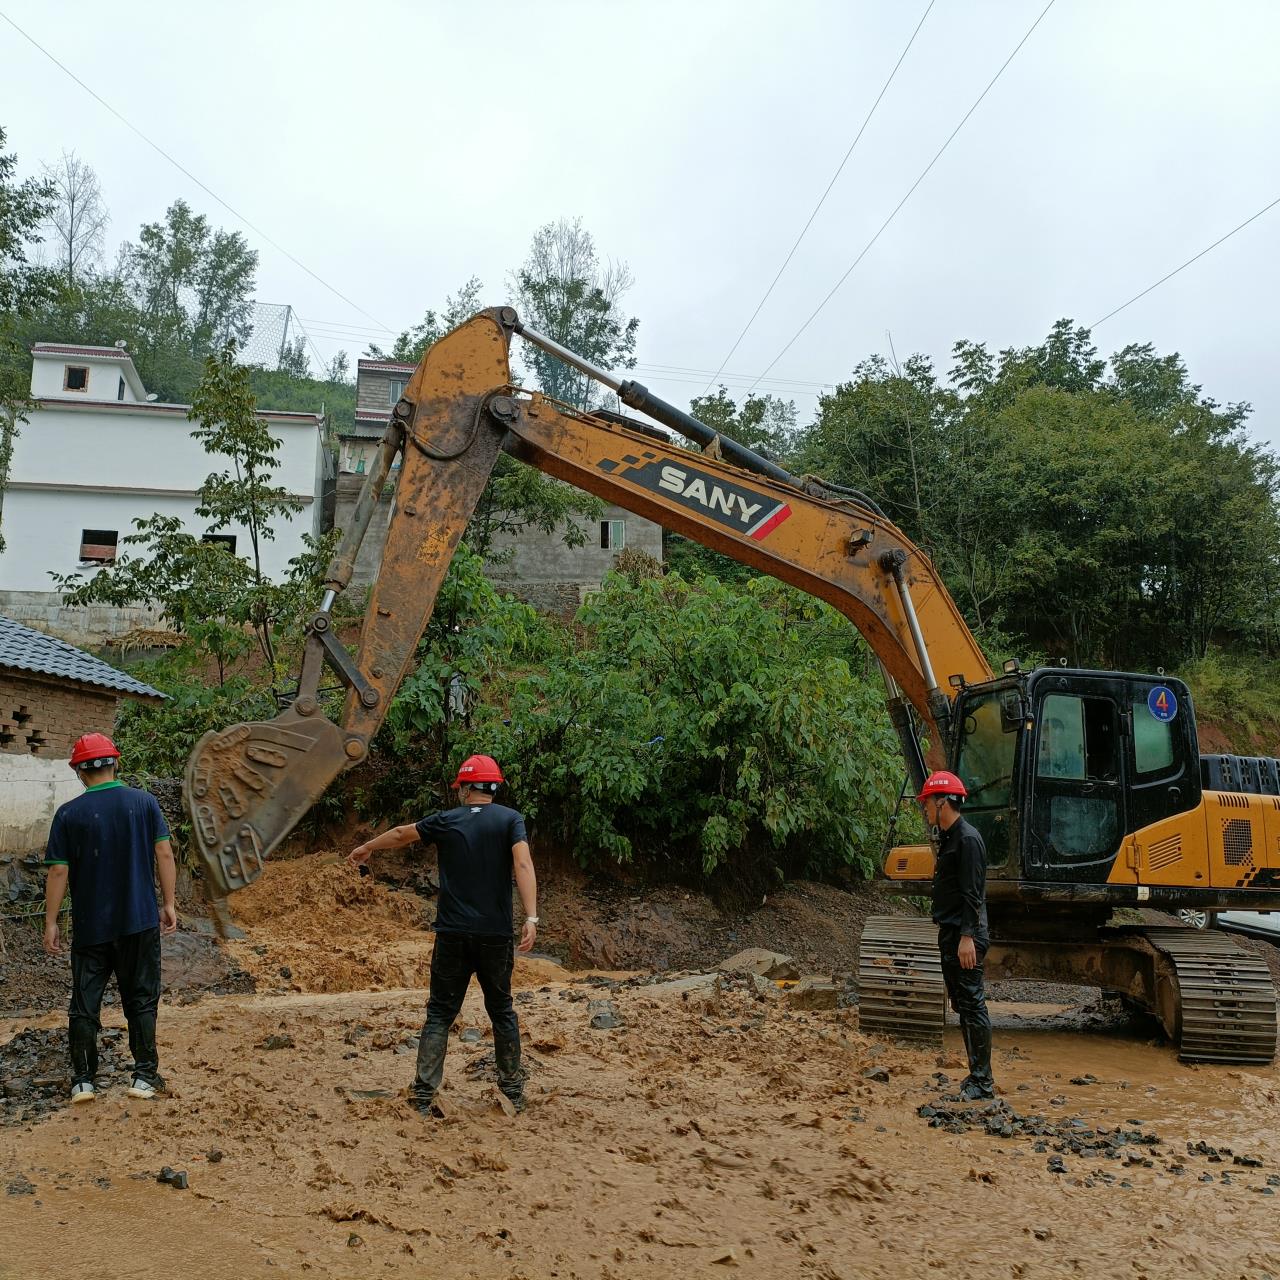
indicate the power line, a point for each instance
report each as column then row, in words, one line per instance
column 336, row 331
column 315, row 351
column 183, row 169
column 1186, row 264
column 822, row 199
column 911, row 190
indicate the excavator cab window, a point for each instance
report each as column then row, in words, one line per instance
column 1077, row 809
column 986, row 750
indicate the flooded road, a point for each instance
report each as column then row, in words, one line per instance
column 703, row 1128
column 701, row 1134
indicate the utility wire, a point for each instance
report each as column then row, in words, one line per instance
column 822, row 199
column 183, row 169
column 911, row 190
column 1186, row 264
column 336, row 331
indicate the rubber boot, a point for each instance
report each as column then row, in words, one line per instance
column 430, row 1071
column 979, row 1084
column 506, row 1054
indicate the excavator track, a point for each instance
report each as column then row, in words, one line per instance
column 900, row 988
column 1224, row 1004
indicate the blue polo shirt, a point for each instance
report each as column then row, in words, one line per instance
column 107, row 840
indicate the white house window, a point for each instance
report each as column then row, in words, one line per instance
column 75, row 377
column 98, row 546
column 613, row 535
column 120, row 390
column 227, row 540
column 395, row 389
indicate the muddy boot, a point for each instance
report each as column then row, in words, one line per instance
column 979, row 1083
column 506, row 1053
column 426, row 1081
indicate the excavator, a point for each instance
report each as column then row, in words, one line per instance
column 1087, row 786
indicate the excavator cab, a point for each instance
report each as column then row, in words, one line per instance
column 1061, row 765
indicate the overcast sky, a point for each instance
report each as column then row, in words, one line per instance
column 398, row 148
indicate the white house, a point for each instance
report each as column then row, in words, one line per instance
column 96, row 454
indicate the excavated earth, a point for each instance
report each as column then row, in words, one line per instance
column 694, row 1125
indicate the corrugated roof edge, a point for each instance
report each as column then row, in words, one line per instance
column 25, row 649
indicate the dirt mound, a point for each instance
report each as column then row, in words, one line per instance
column 322, row 927
column 304, row 887
column 318, row 927
column 593, row 923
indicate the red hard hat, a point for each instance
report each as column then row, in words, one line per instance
column 93, row 747
column 478, row 769
column 942, row 783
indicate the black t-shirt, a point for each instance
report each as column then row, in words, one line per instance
column 474, row 846
column 960, row 880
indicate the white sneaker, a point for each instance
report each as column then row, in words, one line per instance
column 83, row 1092
column 141, row 1088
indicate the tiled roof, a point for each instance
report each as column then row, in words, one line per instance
column 385, row 366
column 61, row 349
column 22, row 649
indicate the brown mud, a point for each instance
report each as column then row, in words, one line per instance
column 715, row 1130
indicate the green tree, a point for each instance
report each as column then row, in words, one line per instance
column 78, row 221
column 193, row 286
column 409, row 345
column 704, row 730
column 228, row 425
column 563, row 291
column 293, row 359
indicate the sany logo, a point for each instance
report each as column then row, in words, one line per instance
column 754, row 514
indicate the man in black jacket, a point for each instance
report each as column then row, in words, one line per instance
column 960, row 912
column 480, row 845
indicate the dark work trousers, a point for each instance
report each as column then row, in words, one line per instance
column 135, row 960
column 965, row 991
column 455, row 958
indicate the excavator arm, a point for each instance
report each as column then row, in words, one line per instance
column 247, row 786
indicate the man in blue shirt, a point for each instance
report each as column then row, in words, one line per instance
column 107, row 845
column 479, row 845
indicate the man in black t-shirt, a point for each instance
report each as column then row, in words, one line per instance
column 107, row 846
column 960, row 912
column 479, row 845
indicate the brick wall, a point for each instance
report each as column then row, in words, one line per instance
column 44, row 717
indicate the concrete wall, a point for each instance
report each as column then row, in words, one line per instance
column 87, row 627
column 31, row 790
column 86, row 466
column 534, row 558
column 106, row 372
column 373, row 385
column 533, row 566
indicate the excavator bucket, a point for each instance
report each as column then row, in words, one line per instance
column 247, row 787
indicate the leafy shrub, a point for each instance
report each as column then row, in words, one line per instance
column 702, row 729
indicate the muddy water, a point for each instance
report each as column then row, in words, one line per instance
column 708, row 1134
column 712, row 1132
